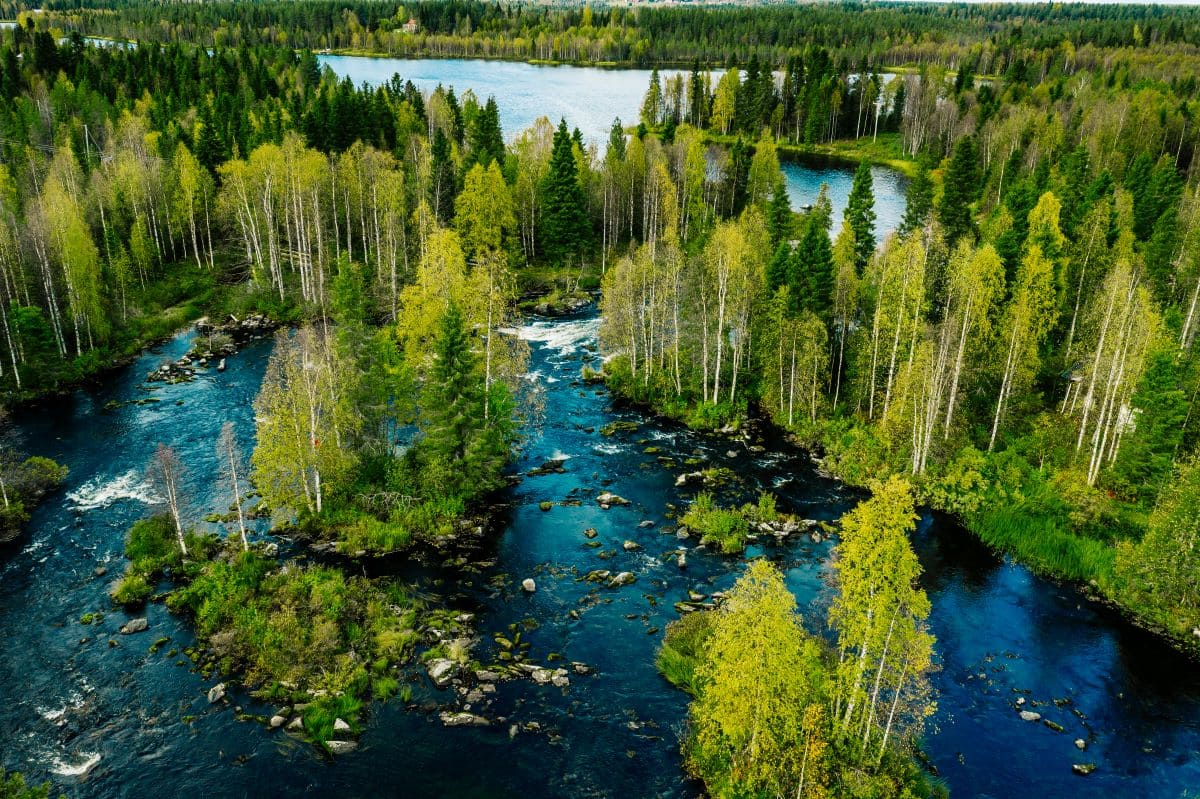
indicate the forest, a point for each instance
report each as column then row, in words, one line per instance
column 1020, row 354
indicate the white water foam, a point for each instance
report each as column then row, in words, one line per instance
column 564, row 337
column 76, row 769
column 97, row 493
column 607, row 449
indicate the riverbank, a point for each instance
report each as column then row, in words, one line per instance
column 1041, row 541
column 156, row 314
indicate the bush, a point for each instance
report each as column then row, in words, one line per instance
column 682, row 650
column 151, row 545
column 725, row 528
column 134, row 589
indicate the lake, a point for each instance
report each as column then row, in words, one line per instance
column 590, row 98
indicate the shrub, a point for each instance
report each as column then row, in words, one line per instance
column 725, row 528
column 134, row 589
column 682, row 650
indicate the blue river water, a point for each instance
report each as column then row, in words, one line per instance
column 104, row 721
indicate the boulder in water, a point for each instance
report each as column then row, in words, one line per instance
column 1083, row 769
column 609, row 498
column 1029, row 715
column 341, row 747
column 630, row 546
column 134, row 626
column 528, row 585
column 277, row 722
column 1080, row 744
column 440, row 670
column 216, row 693
column 462, row 719
column 340, row 726
column 623, row 578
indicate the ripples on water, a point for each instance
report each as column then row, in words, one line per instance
column 103, row 721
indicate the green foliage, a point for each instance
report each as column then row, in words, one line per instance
column 1158, row 576
column 960, row 190
column 860, row 216
column 308, row 627
column 726, row 529
column 134, row 589
column 13, row 786
column 684, row 649
column 758, row 725
column 152, row 549
column 565, row 230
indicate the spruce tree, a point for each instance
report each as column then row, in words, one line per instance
column 811, row 274
column 486, row 140
column 452, row 404
column 918, row 203
column 960, row 191
column 779, row 214
column 860, row 216
column 565, row 230
column 652, row 103
column 443, row 183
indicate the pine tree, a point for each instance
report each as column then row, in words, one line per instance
column 860, row 216
column 565, row 231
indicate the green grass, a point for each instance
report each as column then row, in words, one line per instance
column 885, row 150
column 1044, row 543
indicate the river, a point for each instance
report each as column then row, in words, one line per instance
column 105, row 721
column 590, row 98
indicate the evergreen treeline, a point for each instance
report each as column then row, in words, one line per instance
column 989, row 38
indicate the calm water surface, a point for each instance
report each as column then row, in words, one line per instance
column 105, row 721
column 590, row 98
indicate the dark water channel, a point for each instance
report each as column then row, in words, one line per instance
column 110, row 721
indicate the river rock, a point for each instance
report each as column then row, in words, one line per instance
column 529, row 585
column 541, row 676
column 341, row 747
column 100, row 571
column 134, row 626
column 731, row 453
column 1080, row 744
column 646, row 524
column 1029, row 715
column 688, row 477
column 681, row 561
column 682, row 532
column 630, row 546
column 484, row 675
column 216, row 693
column 296, row 724
column 340, row 726
column 1083, row 769
column 462, row 719
column 609, row 498
column 560, row 681
column 440, row 670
